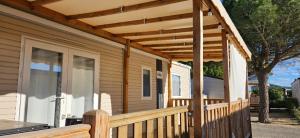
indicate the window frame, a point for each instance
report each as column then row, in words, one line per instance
column 180, row 85
column 142, row 83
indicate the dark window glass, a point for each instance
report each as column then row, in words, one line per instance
column 146, row 83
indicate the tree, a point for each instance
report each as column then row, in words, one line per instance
column 271, row 30
column 210, row 69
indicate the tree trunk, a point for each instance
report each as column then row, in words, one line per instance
column 262, row 78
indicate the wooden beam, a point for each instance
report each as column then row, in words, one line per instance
column 226, row 69
column 188, row 48
column 198, row 114
column 60, row 18
column 169, row 31
column 175, row 37
column 205, row 57
column 190, row 52
column 146, row 21
column 125, row 76
column 170, row 103
column 180, row 44
column 124, row 9
column 163, row 38
column 168, row 44
column 42, row 2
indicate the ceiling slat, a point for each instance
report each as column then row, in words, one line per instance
column 189, row 48
column 42, row 2
column 181, row 44
column 123, row 9
column 175, row 37
column 169, row 31
column 146, row 21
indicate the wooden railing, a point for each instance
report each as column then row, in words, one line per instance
column 168, row 122
column 158, row 123
column 216, row 120
column 76, row 131
column 187, row 102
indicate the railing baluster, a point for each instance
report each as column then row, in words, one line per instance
column 160, row 127
column 176, row 127
column 182, row 124
column 122, row 131
column 138, row 132
column 169, row 127
column 150, row 129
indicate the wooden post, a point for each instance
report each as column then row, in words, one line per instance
column 198, row 114
column 226, row 69
column 99, row 121
column 125, row 76
column 170, row 102
column 248, row 108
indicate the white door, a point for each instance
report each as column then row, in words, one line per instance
column 57, row 82
column 83, row 82
column 44, row 83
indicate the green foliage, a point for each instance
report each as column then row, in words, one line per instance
column 296, row 113
column 270, row 28
column 213, row 69
column 276, row 93
column 210, row 69
column 255, row 91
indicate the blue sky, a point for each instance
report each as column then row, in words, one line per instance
column 285, row 72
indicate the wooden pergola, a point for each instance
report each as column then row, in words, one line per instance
column 189, row 30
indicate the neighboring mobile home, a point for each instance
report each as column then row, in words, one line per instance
column 296, row 89
column 181, row 80
column 62, row 58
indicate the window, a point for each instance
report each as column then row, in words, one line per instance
column 176, row 85
column 146, row 86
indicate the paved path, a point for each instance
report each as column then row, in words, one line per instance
column 282, row 127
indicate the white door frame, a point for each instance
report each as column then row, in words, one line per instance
column 24, row 71
column 25, row 80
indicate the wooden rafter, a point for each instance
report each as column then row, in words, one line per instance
column 180, row 44
column 191, row 52
column 169, row 31
column 190, row 56
column 60, row 18
column 189, row 48
column 146, row 21
column 123, row 9
column 175, row 37
column 42, row 2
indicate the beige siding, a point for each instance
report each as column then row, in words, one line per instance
column 135, row 102
column 12, row 29
column 184, row 72
column 165, row 83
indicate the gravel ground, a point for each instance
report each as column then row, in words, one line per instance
column 282, row 126
column 275, row 131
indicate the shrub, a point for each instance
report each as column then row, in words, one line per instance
column 296, row 113
column 276, row 93
column 291, row 103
